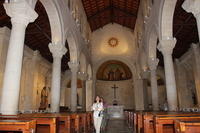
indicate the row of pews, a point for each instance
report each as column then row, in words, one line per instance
column 163, row 122
column 47, row 123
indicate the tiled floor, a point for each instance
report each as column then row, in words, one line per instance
column 117, row 126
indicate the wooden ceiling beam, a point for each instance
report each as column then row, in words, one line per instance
column 44, row 33
column 110, row 8
column 101, row 24
column 124, row 22
column 186, row 20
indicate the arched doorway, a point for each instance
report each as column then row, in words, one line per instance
column 114, row 84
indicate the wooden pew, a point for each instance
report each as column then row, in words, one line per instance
column 134, row 122
column 43, row 119
column 90, row 126
column 139, row 122
column 131, row 119
column 60, row 122
column 165, row 122
column 187, row 126
column 148, row 122
column 25, row 126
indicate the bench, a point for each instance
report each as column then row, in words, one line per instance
column 187, row 126
column 25, row 126
column 165, row 122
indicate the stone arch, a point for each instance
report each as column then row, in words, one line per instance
column 72, row 44
column 55, row 23
column 127, row 62
column 83, row 63
column 152, row 42
column 166, row 18
column 113, row 70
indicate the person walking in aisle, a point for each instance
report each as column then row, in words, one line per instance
column 97, row 107
column 105, row 116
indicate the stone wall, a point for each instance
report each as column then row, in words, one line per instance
column 124, row 92
column 124, row 52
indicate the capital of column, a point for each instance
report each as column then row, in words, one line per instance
column 57, row 50
column 20, row 12
column 167, row 45
column 153, row 63
column 192, row 6
column 74, row 66
column 83, row 75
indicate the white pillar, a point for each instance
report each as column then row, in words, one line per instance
column 193, row 6
column 83, row 76
column 153, row 63
column 74, row 69
column 139, row 94
column 196, row 68
column 57, row 50
column 89, row 99
column 166, row 47
column 21, row 14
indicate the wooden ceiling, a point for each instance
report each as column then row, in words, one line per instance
column 184, row 30
column 38, row 34
column 102, row 12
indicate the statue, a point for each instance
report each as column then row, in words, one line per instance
column 117, row 75
column 44, row 99
column 111, row 75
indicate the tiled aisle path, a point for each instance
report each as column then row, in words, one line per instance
column 117, row 126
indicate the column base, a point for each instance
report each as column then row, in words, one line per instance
column 9, row 112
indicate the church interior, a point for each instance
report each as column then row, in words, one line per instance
column 142, row 57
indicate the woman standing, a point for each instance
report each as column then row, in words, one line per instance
column 97, row 107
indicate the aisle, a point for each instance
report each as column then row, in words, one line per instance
column 117, row 126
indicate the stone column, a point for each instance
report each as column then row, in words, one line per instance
column 193, row 7
column 21, row 14
column 153, row 63
column 166, row 47
column 196, row 54
column 57, row 50
column 139, row 94
column 74, row 69
column 89, row 99
column 83, row 76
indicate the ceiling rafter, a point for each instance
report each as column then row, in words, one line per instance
column 114, row 8
column 98, row 11
column 102, row 12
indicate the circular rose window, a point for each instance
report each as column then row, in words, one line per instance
column 113, row 42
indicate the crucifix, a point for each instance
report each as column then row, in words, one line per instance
column 114, row 87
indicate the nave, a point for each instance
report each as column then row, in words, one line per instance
column 117, row 126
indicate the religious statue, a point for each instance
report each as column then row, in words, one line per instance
column 111, row 75
column 117, row 75
column 44, row 99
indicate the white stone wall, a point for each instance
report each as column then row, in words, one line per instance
column 185, row 79
column 100, row 47
column 124, row 51
column 36, row 73
column 124, row 92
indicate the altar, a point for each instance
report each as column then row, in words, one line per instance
column 115, row 111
